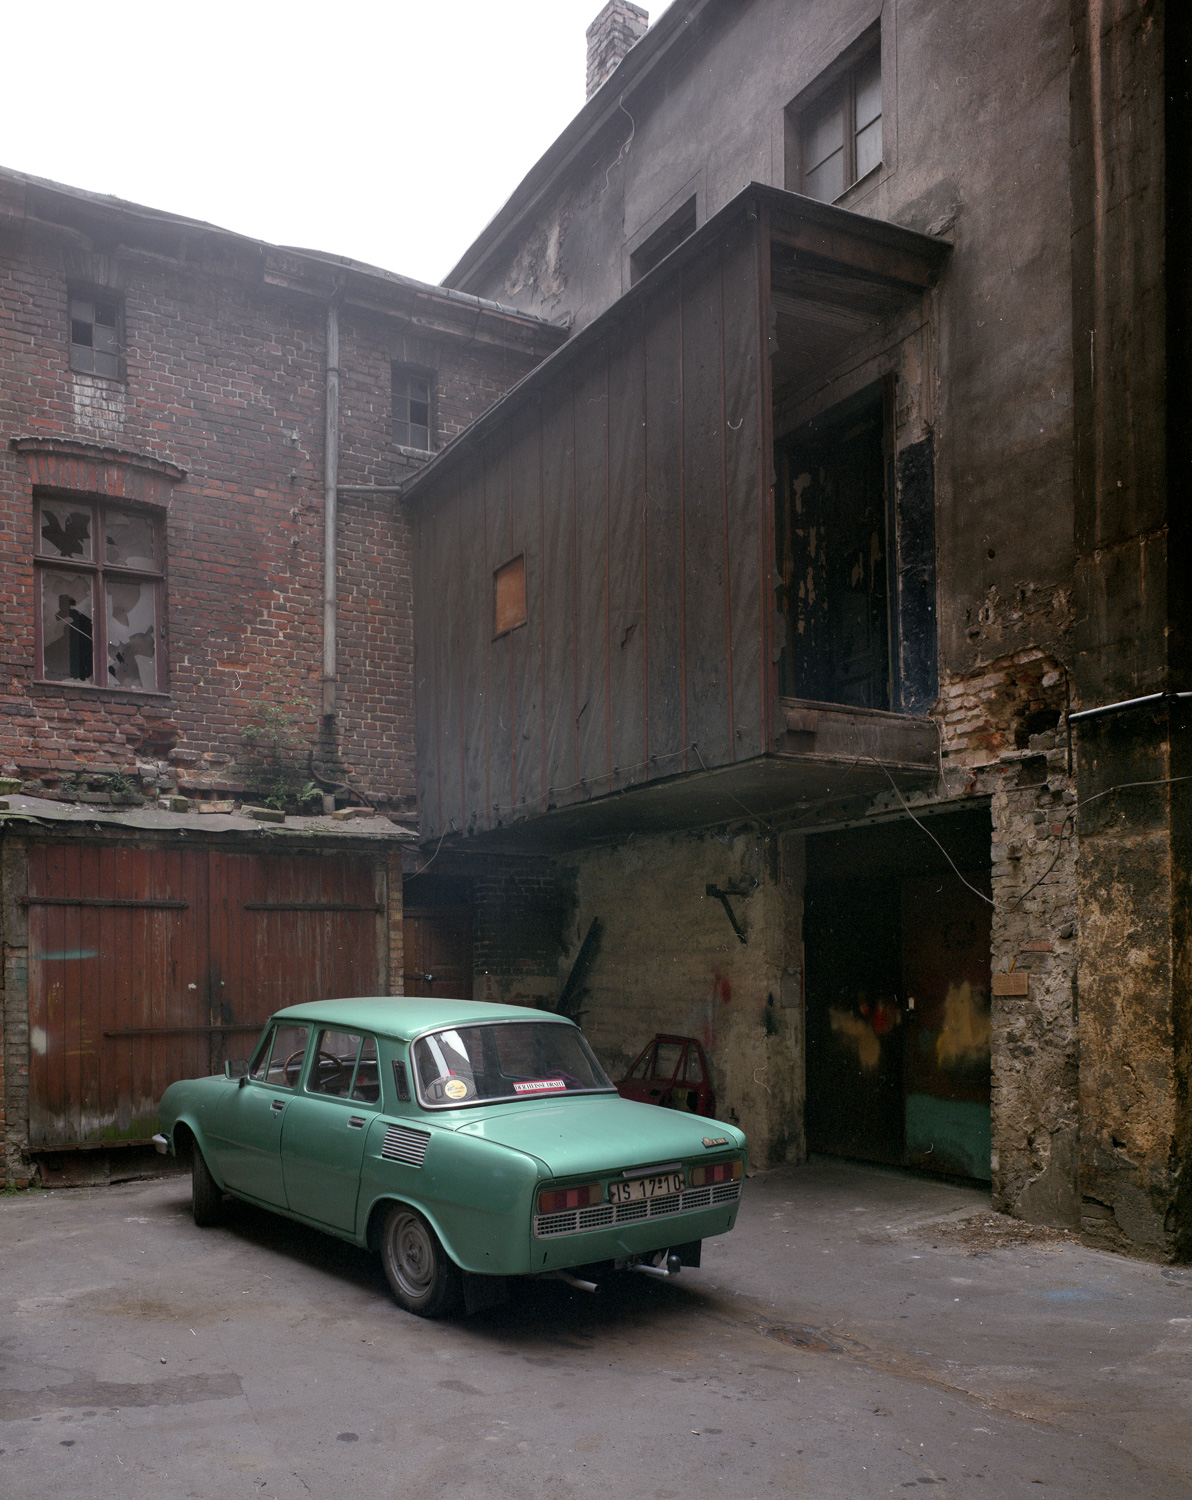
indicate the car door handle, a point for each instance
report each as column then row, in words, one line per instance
column 277, row 1106
column 356, row 1122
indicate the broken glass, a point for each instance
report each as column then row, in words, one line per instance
column 132, row 634
column 65, row 530
column 67, row 613
column 128, row 540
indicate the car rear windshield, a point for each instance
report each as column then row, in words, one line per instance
column 505, row 1060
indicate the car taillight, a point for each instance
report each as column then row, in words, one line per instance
column 555, row 1200
column 721, row 1171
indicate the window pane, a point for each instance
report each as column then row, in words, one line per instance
column 83, row 310
column 367, row 1087
column 80, row 333
column 285, row 1061
column 132, row 633
column 64, row 530
column 419, row 388
column 334, row 1061
column 825, row 135
column 827, row 181
column 256, row 1069
column 869, row 93
column 419, row 438
column 869, row 148
column 128, row 540
column 107, row 364
column 67, row 612
column 105, row 313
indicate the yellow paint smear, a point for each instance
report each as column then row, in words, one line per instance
column 967, row 1032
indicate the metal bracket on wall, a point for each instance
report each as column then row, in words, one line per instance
column 722, row 897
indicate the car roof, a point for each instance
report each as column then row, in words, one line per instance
column 406, row 1017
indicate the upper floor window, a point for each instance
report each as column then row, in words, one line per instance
column 837, row 135
column 411, row 408
column 99, row 574
column 95, row 333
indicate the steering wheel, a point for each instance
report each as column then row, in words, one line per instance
column 327, row 1068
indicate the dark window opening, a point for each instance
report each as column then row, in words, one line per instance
column 95, row 341
column 411, row 408
column 660, row 244
column 832, row 555
column 99, row 580
column 835, row 138
column 509, row 596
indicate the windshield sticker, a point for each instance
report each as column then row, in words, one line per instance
column 455, row 1088
column 541, row 1086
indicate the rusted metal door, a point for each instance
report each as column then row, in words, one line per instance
column 148, row 965
column 438, row 951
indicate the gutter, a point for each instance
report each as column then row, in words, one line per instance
column 1150, row 700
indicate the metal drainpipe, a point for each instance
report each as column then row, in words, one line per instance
column 330, row 477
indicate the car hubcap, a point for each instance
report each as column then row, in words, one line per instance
column 412, row 1254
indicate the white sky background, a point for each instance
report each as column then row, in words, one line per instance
column 389, row 132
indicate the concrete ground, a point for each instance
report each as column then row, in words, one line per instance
column 860, row 1334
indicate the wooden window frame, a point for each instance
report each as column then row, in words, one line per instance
column 399, row 369
column 98, row 570
column 83, row 355
column 837, row 84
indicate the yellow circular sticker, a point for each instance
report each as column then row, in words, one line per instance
column 455, row 1088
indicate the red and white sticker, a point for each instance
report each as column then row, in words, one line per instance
column 541, row 1086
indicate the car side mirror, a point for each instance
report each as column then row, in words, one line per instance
column 236, row 1067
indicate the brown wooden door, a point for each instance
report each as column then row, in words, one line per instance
column 438, row 951
column 149, row 965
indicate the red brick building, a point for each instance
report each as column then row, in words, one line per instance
column 182, row 413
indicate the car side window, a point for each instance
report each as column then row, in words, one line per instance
column 334, row 1063
column 285, row 1056
column 367, row 1087
column 260, row 1059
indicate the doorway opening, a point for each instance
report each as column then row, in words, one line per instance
column 897, row 959
column 832, row 554
column 437, row 936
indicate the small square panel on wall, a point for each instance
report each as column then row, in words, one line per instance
column 509, row 596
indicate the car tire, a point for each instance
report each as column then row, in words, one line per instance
column 423, row 1277
column 206, row 1196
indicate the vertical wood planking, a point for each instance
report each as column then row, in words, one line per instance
column 448, row 748
column 526, row 641
column 705, row 562
column 591, row 476
column 663, row 525
column 476, row 603
column 558, row 562
column 499, row 729
column 742, row 445
column 627, row 637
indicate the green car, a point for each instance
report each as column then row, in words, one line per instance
column 465, row 1142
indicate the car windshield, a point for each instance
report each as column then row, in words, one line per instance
column 505, row 1060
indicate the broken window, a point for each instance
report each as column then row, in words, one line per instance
column 99, row 580
column 95, row 340
column 509, row 596
column 660, row 244
column 832, row 555
column 834, row 135
column 411, row 408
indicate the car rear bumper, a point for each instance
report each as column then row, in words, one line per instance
column 584, row 1236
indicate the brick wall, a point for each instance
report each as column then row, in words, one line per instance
column 225, row 380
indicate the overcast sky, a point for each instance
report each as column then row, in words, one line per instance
column 390, row 132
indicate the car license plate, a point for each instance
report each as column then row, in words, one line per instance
column 645, row 1187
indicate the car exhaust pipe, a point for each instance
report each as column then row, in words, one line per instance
column 672, row 1267
column 583, row 1286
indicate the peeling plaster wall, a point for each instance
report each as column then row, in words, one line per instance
column 670, row 961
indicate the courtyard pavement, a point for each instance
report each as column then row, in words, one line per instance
column 861, row 1333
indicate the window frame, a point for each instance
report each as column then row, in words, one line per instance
column 97, row 570
column 94, row 295
column 400, row 369
column 838, row 84
column 508, row 568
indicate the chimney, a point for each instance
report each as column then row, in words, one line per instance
column 610, row 37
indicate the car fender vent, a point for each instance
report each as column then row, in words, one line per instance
column 405, row 1145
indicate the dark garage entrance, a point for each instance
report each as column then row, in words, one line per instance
column 897, row 990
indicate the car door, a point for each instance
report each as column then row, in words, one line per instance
column 322, row 1143
column 248, row 1126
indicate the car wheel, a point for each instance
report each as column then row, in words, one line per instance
column 206, row 1196
column 424, row 1278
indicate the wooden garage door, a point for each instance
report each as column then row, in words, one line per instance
column 151, row 965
